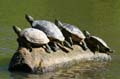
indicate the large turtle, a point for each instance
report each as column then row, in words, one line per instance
column 72, row 34
column 50, row 29
column 95, row 43
column 31, row 37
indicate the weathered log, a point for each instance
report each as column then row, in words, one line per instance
column 40, row 61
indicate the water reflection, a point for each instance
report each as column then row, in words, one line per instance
column 76, row 72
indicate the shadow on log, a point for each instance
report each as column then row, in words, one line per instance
column 38, row 61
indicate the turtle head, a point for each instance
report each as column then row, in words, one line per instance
column 29, row 18
column 86, row 33
column 17, row 30
column 58, row 23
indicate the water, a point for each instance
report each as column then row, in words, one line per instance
column 100, row 17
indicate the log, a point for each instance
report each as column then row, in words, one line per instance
column 38, row 60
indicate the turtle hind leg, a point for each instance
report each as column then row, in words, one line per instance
column 56, row 46
column 63, row 48
column 47, row 48
column 67, row 44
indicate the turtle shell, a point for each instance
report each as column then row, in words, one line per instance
column 73, row 30
column 93, row 42
column 99, row 40
column 51, row 30
column 34, row 36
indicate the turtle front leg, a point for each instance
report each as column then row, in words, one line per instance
column 30, row 49
column 29, row 46
column 67, row 44
column 83, row 45
column 55, row 48
column 23, row 43
column 70, row 40
column 48, row 49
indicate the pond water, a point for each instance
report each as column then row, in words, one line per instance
column 100, row 17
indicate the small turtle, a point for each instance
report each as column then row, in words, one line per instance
column 72, row 34
column 95, row 43
column 31, row 37
column 49, row 28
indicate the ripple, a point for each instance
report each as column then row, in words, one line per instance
column 5, row 50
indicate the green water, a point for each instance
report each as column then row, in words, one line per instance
column 100, row 17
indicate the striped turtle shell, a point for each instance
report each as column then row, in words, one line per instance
column 50, row 29
column 34, row 36
column 73, row 30
column 99, row 41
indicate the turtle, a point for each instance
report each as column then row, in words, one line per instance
column 95, row 43
column 72, row 34
column 31, row 37
column 50, row 29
